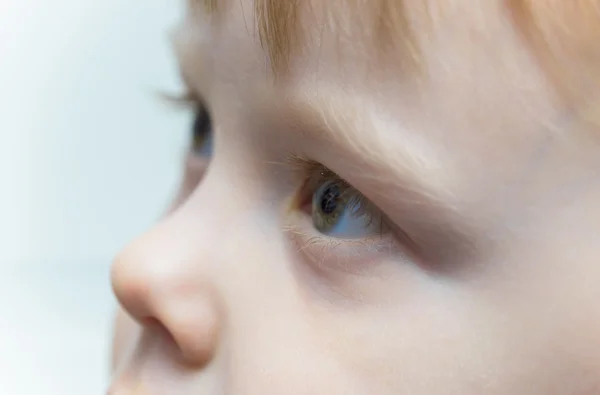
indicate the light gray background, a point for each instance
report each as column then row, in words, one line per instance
column 89, row 157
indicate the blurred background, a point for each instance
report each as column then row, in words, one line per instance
column 89, row 157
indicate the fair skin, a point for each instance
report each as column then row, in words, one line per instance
column 485, row 281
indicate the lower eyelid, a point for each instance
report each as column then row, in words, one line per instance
column 195, row 167
column 357, row 256
column 196, row 162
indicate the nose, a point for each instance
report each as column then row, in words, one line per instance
column 159, row 283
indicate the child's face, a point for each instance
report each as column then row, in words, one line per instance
column 435, row 233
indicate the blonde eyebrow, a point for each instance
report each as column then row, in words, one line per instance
column 357, row 131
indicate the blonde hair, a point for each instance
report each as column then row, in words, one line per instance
column 563, row 34
column 277, row 23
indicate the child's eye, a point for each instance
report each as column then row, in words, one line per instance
column 336, row 208
column 202, row 133
column 340, row 211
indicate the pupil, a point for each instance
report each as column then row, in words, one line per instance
column 329, row 199
column 202, row 124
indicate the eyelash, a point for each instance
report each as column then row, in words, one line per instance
column 186, row 100
column 192, row 102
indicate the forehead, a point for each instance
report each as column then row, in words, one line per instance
column 389, row 44
column 396, row 33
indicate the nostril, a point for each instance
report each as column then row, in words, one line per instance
column 190, row 332
column 157, row 330
column 151, row 322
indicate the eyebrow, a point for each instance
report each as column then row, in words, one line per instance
column 358, row 131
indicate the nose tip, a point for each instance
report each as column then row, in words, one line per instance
column 132, row 284
column 159, row 291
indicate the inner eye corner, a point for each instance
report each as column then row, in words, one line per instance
column 304, row 200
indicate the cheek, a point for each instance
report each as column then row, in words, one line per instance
column 428, row 343
column 454, row 340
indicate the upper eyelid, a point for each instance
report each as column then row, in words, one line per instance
column 189, row 96
column 187, row 99
column 308, row 168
